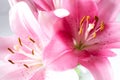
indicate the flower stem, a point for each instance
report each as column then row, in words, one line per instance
column 77, row 70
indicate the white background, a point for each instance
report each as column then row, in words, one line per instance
column 69, row 75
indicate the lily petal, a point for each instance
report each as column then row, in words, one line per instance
column 109, row 35
column 61, row 13
column 24, row 23
column 88, row 7
column 20, row 74
column 29, row 2
column 46, row 5
column 66, row 60
column 47, row 20
column 103, row 53
column 109, row 10
column 39, row 75
column 63, row 52
column 99, row 67
column 5, row 43
column 6, row 68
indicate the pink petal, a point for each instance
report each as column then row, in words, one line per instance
column 5, row 43
column 29, row 2
column 62, row 40
column 103, row 53
column 20, row 74
column 47, row 20
column 79, row 8
column 108, row 11
column 99, row 67
column 65, row 60
column 112, row 45
column 39, row 75
column 109, row 36
column 97, row 1
column 17, row 18
column 14, row 72
column 24, row 23
column 44, row 4
column 106, row 46
column 6, row 68
column 58, row 51
column 50, row 25
column 15, row 57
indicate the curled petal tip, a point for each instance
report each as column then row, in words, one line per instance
column 61, row 13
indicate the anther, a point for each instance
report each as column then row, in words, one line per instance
column 11, row 61
column 20, row 42
column 81, row 27
column 33, row 52
column 94, row 35
column 80, row 31
column 96, row 19
column 82, row 20
column 31, row 40
column 11, row 50
column 26, row 65
column 87, row 18
column 101, row 25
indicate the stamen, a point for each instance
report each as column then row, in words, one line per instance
column 31, row 40
column 11, row 50
column 26, row 65
column 82, row 20
column 80, row 31
column 33, row 52
column 28, row 55
column 20, row 42
column 87, row 18
column 102, row 25
column 81, row 27
column 36, row 64
column 88, row 30
column 94, row 35
column 96, row 19
column 17, row 47
column 11, row 61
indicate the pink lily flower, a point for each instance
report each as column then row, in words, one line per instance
column 85, row 36
column 21, row 55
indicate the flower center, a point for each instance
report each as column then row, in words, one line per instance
column 88, row 30
column 26, row 55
